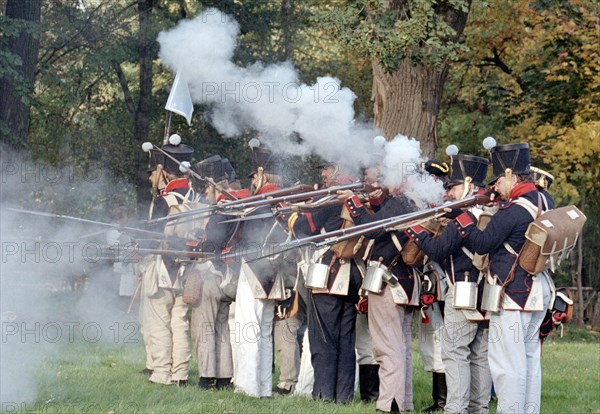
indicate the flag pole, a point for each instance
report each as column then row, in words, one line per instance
column 167, row 127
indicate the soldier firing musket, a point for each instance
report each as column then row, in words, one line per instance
column 393, row 223
column 248, row 205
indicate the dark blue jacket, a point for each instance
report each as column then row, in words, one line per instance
column 384, row 247
column 447, row 250
column 508, row 225
column 328, row 219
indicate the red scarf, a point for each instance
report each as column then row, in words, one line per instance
column 520, row 189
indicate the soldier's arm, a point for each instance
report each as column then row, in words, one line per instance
column 496, row 232
column 303, row 224
column 392, row 208
column 438, row 249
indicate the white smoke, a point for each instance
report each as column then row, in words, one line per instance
column 401, row 169
column 270, row 100
column 55, row 289
column 267, row 98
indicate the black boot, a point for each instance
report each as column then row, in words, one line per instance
column 223, row 383
column 368, row 380
column 438, row 393
column 206, row 383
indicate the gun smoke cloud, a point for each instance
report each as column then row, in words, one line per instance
column 269, row 99
column 56, row 289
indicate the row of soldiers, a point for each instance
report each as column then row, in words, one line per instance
column 346, row 322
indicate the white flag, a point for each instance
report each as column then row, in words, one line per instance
column 180, row 100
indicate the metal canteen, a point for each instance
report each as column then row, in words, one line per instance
column 492, row 297
column 373, row 281
column 316, row 276
column 465, row 295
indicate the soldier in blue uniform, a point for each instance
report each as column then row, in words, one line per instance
column 331, row 311
column 464, row 337
column 514, row 346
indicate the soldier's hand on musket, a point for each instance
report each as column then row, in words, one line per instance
column 444, row 220
column 344, row 194
column 452, row 213
column 492, row 193
column 376, row 194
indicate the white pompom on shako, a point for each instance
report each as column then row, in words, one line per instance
column 451, row 150
column 489, row 143
column 184, row 166
column 379, row 141
column 254, row 143
column 147, row 146
column 175, row 139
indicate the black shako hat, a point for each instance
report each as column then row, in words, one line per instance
column 468, row 168
column 515, row 157
column 175, row 149
column 437, row 168
column 264, row 159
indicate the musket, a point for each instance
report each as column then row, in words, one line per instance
column 391, row 223
column 243, row 204
column 82, row 220
column 321, row 203
column 294, row 197
column 284, row 191
column 131, row 253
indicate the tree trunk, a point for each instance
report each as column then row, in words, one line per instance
column 287, row 31
column 146, row 48
column 407, row 102
column 16, row 91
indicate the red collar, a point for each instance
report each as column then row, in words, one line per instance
column 243, row 193
column 175, row 185
column 521, row 189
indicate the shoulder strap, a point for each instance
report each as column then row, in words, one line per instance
column 171, row 199
column 529, row 206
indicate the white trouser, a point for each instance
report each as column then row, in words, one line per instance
column 514, row 356
column 430, row 345
column 306, row 377
column 253, row 326
column 465, row 356
column 364, row 346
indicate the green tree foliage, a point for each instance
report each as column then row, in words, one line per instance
column 532, row 74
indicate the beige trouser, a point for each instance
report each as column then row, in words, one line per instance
column 210, row 329
column 288, row 351
column 391, row 333
column 166, row 326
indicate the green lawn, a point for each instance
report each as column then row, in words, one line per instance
column 95, row 378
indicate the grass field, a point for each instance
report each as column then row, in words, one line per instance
column 94, row 378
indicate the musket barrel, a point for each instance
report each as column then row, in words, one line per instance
column 233, row 204
column 82, row 220
column 294, row 197
column 407, row 220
